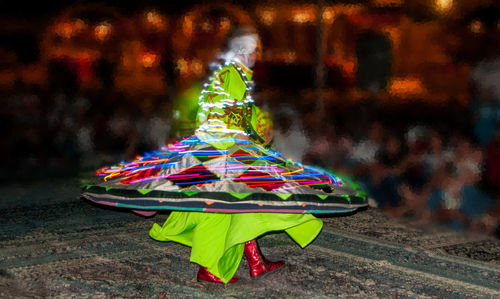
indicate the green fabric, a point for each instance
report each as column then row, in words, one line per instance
column 190, row 193
column 261, row 122
column 284, row 196
column 144, row 191
column 240, row 195
column 185, row 107
column 217, row 240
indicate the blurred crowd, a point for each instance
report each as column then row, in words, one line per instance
column 444, row 167
column 63, row 131
column 431, row 164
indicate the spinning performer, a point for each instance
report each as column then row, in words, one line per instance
column 224, row 187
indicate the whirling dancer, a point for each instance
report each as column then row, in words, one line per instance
column 224, row 187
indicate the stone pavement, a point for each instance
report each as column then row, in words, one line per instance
column 53, row 244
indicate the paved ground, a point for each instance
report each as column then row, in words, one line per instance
column 53, row 244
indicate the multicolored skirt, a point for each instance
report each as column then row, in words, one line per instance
column 194, row 175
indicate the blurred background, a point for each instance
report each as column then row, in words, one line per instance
column 404, row 95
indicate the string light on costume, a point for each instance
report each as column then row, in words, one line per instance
column 208, row 107
column 268, row 170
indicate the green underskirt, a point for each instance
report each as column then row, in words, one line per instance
column 217, row 239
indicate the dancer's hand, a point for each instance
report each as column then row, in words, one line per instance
column 268, row 136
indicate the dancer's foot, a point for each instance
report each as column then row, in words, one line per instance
column 258, row 264
column 205, row 275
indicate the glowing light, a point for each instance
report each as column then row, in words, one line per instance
column 149, row 59
column 225, row 24
column 79, row 25
column 405, row 87
column 102, row 31
column 476, row 26
column 388, row 3
column 196, row 67
column 303, row 16
column 328, row 15
column 68, row 29
column 65, row 30
column 289, row 57
column 155, row 20
column 206, row 26
column 182, row 66
column 267, row 16
column 187, row 26
column 443, row 6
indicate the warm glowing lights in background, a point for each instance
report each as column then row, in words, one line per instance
column 137, row 44
column 103, row 30
column 206, row 26
column 196, row 67
column 68, row 29
column 476, row 26
column 65, row 30
column 305, row 14
column 328, row 15
column 388, row 3
column 225, row 24
column 187, row 26
column 288, row 56
column 182, row 66
column 189, row 67
column 149, row 60
column 155, row 20
column 407, row 87
column 193, row 22
column 443, row 6
column 266, row 15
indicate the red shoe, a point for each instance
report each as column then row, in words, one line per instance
column 258, row 264
column 205, row 275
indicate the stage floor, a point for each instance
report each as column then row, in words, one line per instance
column 53, row 244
